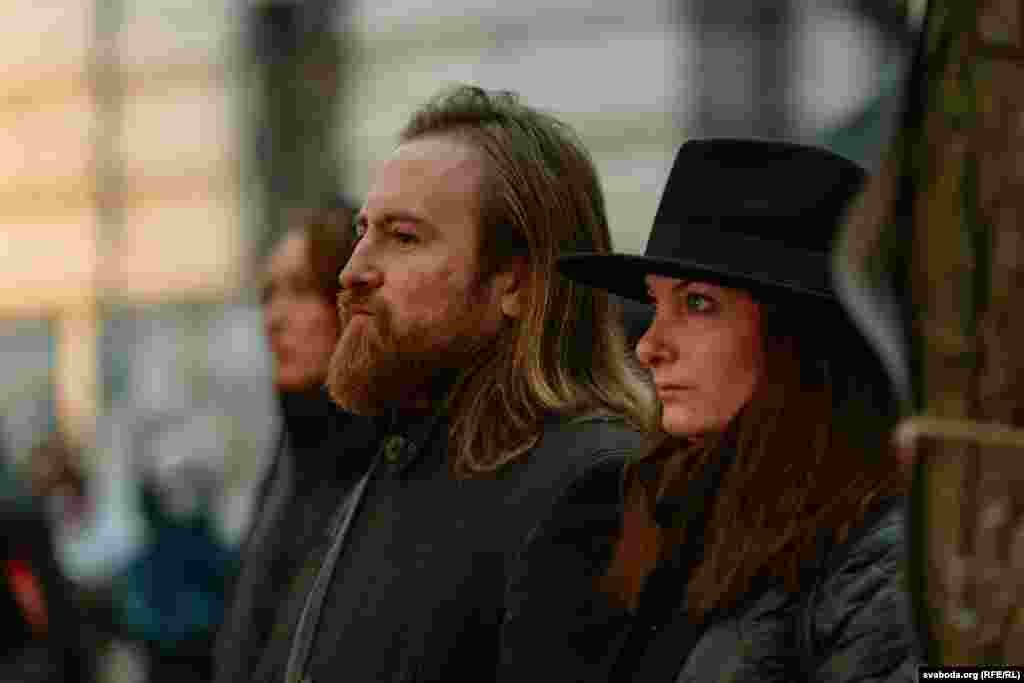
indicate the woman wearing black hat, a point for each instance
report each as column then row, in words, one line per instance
column 760, row 537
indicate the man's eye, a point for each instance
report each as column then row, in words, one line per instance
column 304, row 287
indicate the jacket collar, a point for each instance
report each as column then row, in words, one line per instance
column 406, row 438
column 307, row 414
column 404, row 444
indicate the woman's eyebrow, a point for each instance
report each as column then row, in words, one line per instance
column 679, row 286
column 682, row 284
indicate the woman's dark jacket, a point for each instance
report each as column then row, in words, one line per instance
column 852, row 623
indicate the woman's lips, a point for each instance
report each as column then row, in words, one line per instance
column 670, row 390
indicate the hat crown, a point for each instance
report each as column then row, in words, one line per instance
column 781, row 192
column 755, row 214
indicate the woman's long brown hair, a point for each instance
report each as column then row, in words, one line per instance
column 811, row 456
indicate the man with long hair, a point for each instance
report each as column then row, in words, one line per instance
column 491, row 382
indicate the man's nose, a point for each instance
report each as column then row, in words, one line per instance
column 360, row 272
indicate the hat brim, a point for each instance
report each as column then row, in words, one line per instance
column 624, row 275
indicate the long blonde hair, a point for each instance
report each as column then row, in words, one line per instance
column 566, row 356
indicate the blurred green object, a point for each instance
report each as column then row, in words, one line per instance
column 865, row 135
column 14, row 491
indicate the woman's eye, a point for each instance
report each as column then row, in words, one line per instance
column 699, row 303
column 405, row 237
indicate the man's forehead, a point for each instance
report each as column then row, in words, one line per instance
column 427, row 171
column 440, row 149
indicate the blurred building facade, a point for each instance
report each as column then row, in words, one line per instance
column 124, row 261
column 120, row 174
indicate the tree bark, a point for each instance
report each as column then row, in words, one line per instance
column 932, row 261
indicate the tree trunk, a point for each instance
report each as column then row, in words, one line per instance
column 932, row 261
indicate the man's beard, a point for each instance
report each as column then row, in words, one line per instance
column 376, row 369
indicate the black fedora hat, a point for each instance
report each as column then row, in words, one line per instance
column 755, row 214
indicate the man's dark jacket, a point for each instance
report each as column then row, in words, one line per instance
column 317, row 459
column 418, row 590
column 852, row 623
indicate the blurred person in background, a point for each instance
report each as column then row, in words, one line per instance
column 43, row 641
column 760, row 536
column 57, row 474
column 308, row 472
column 85, row 539
column 489, row 383
column 58, row 478
column 170, row 597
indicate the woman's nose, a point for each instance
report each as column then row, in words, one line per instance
column 651, row 349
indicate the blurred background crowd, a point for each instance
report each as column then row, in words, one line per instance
column 152, row 152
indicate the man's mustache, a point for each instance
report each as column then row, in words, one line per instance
column 349, row 305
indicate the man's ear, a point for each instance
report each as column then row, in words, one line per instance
column 511, row 287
